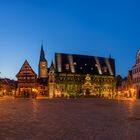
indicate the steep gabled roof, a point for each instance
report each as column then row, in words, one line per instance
column 83, row 64
column 26, row 70
column 52, row 66
column 42, row 54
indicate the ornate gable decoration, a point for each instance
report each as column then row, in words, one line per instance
column 26, row 70
column 87, row 80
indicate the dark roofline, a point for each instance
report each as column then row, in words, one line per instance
column 78, row 57
column 83, row 55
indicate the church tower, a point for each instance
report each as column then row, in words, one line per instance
column 43, row 65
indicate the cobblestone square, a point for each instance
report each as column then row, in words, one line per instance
column 69, row 119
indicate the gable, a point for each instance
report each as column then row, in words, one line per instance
column 26, row 70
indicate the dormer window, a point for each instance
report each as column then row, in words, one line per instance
column 74, row 63
column 104, row 69
column 67, row 66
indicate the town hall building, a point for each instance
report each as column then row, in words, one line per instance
column 70, row 75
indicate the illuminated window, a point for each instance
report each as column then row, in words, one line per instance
column 104, row 69
column 67, row 66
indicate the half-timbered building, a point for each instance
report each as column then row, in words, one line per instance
column 27, row 81
column 69, row 75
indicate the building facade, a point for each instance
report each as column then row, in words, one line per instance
column 70, row 75
column 26, row 81
column 136, row 75
column 77, row 75
column 125, row 86
column 43, row 74
column 7, row 86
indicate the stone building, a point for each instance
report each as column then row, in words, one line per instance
column 69, row 75
column 43, row 74
column 130, row 85
column 7, row 86
column 136, row 75
column 127, row 86
column 84, row 75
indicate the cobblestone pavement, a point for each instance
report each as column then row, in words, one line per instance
column 69, row 119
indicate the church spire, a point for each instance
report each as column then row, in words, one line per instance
column 52, row 65
column 42, row 54
column 43, row 65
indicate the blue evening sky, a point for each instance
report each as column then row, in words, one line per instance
column 90, row 27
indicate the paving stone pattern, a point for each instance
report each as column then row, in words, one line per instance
column 69, row 119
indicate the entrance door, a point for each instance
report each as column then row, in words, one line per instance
column 26, row 92
column 87, row 92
